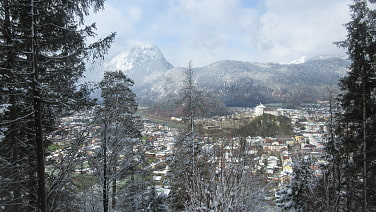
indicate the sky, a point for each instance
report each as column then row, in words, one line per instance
column 206, row 31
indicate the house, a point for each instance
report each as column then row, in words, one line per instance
column 285, row 139
column 275, row 146
column 259, row 110
column 272, row 111
column 308, row 147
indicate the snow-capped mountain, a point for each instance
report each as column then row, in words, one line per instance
column 141, row 63
column 236, row 83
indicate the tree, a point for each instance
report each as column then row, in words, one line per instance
column 357, row 122
column 64, row 184
column 297, row 195
column 225, row 179
column 266, row 125
column 208, row 175
column 328, row 188
column 120, row 131
column 43, row 53
column 186, row 151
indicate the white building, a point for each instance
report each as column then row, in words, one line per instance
column 259, row 110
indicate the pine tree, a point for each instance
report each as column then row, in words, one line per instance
column 184, row 164
column 297, row 194
column 356, row 146
column 326, row 193
column 120, row 131
column 200, row 178
column 43, row 53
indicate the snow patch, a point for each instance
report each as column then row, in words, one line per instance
column 4, row 108
column 299, row 60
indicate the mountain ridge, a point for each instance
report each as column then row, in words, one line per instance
column 236, row 83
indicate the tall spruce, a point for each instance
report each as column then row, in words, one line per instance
column 43, row 54
column 120, row 130
column 183, row 162
column 356, row 148
column 205, row 174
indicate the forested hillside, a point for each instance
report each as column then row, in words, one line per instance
column 266, row 126
column 235, row 83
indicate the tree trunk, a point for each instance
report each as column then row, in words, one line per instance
column 113, row 206
column 105, row 183
column 364, row 144
column 42, row 199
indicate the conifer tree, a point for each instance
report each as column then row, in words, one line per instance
column 43, row 54
column 356, row 144
column 202, row 177
column 184, row 160
column 120, row 130
column 296, row 195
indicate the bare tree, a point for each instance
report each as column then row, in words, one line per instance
column 225, row 180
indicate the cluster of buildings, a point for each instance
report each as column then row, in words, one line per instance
column 76, row 129
column 310, row 131
column 271, row 156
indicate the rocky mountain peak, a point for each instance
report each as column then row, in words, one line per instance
column 235, row 83
column 140, row 62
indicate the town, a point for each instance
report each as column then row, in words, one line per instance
column 273, row 157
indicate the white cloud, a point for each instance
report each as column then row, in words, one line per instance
column 205, row 31
column 295, row 28
column 118, row 18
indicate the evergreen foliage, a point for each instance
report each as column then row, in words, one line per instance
column 43, row 54
column 296, row 195
column 210, row 175
column 120, row 133
column 346, row 181
column 186, row 152
column 352, row 152
column 267, row 126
